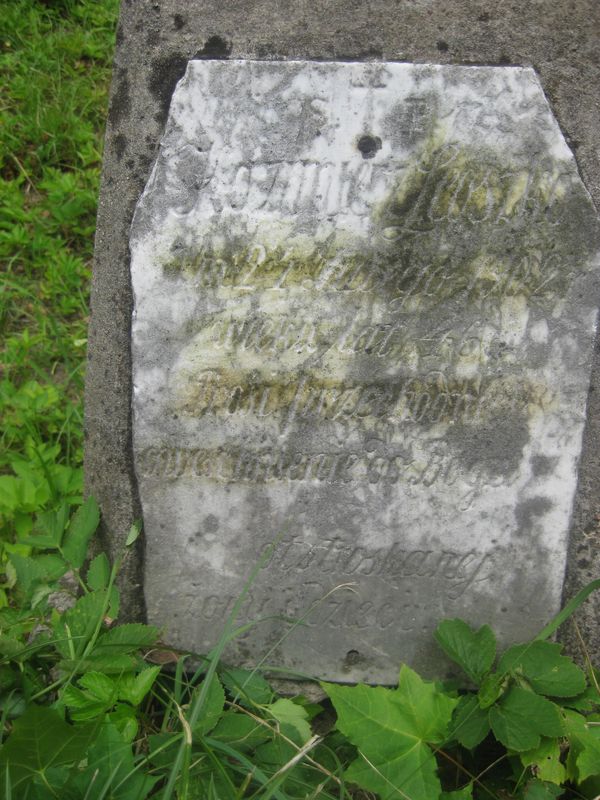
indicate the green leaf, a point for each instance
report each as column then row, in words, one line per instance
column 474, row 651
column 470, row 723
column 545, row 668
column 250, row 687
column 133, row 534
column 110, row 665
column 29, row 572
column 111, row 772
column 588, row 700
column 49, row 528
column 538, row 790
column 124, row 718
column 75, row 628
column 521, row 718
column 212, row 709
column 491, row 689
column 546, row 760
column 466, row 793
column 240, row 730
column 81, row 529
column 584, row 754
column 99, row 686
column 392, row 729
column 41, row 739
column 126, row 639
column 133, row 688
column 291, row 716
column 99, row 572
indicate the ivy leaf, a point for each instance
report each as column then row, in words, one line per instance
column 212, row 709
column 546, row 760
column 81, row 529
column 291, row 716
column 474, row 651
column 40, row 740
column 545, row 668
column 521, row 718
column 470, row 723
column 392, row 728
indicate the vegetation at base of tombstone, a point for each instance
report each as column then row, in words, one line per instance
column 55, row 66
column 90, row 711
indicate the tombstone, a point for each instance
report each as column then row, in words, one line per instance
column 363, row 312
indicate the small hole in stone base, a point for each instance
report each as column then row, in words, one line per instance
column 369, row 145
column 352, row 657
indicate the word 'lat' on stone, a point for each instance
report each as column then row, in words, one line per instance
column 364, row 312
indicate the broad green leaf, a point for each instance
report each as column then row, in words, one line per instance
column 110, row 665
column 126, row 639
column 133, row 688
column 29, row 572
column 111, row 772
column 584, row 754
column 240, row 730
column 42, row 739
column 48, row 529
column 98, row 695
column 392, row 729
column 588, row 700
column 53, row 565
column 99, row 572
column 212, row 709
column 521, row 718
column 124, row 718
column 545, row 668
column 491, row 689
column 538, row 790
column 99, row 686
column 546, row 760
column 248, row 686
column 466, row 793
column 474, row 651
column 470, row 723
column 81, row 529
column 290, row 715
column 75, row 628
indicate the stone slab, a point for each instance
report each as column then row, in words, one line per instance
column 155, row 41
column 363, row 324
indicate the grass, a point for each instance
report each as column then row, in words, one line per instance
column 55, row 61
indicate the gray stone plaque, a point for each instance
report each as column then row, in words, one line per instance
column 364, row 311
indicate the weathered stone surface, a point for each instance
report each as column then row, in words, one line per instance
column 363, row 325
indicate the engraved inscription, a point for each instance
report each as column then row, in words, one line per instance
column 364, row 303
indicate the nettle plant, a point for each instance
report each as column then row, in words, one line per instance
column 89, row 712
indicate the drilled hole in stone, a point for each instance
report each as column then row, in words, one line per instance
column 369, row 145
column 352, row 657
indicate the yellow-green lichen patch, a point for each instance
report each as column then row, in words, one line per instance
column 461, row 223
column 286, row 398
